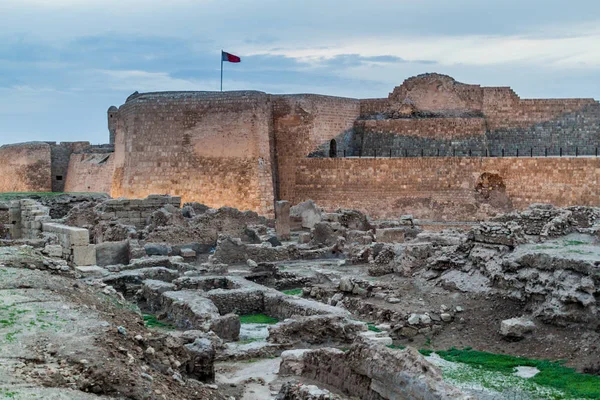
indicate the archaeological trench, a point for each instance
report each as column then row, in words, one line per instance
column 441, row 243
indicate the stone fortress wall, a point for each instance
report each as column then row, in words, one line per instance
column 433, row 115
column 249, row 149
column 447, row 188
column 25, row 167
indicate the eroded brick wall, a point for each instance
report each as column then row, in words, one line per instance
column 25, row 167
column 445, row 188
column 305, row 124
column 209, row 147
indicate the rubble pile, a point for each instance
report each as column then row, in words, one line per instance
column 185, row 298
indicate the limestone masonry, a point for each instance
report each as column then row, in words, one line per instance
column 435, row 148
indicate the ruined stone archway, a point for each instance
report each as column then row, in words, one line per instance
column 332, row 148
column 491, row 189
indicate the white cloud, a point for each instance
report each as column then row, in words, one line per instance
column 572, row 51
column 144, row 81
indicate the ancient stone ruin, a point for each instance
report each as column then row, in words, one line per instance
column 441, row 243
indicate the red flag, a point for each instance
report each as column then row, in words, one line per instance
column 230, row 57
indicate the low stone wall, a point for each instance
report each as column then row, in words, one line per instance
column 33, row 215
column 75, row 243
column 371, row 372
column 136, row 211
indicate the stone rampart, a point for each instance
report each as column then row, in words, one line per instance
column 450, row 189
column 210, row 147
column 306, row 124
column 90, row 173
column 25, row 167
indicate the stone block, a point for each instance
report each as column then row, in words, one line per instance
column 84, row 255
column 53, row 250
column 390, row 235
column 92, row 271
column 304, row 237
column 187, row 253
column 112, row 253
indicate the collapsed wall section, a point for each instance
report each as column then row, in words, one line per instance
column 25, row 167
column 304, row 125
column 208, row 147
column 450, row 189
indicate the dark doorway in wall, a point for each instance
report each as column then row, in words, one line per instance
column 59, row 177
column 333, row 148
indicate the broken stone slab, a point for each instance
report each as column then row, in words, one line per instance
column 390, row 235
column 92, row 271
column 84, row 255
column 376, row 338
column 53, row 250
column 308, row 213
column 158, row 249
column 516, row 328
column 188, row 310
column 187, row 253
column 301, row 391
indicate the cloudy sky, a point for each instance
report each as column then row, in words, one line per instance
column 64, row 62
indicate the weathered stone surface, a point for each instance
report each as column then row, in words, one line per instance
column 370, row 371
column 317, row 329
column 516, row 328
column 390, row 235
column 282, row 219
column 307, row 212
column 112, row 253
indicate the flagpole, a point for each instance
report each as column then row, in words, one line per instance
column 221, row 70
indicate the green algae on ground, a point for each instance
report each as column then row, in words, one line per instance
column 292, row 292
column 258, row 319
column 152, row 322
column 565, row 382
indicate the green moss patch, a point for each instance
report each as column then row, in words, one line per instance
column 258, row 319
column 152, row 322
column 292, row 292
column 554, row 375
